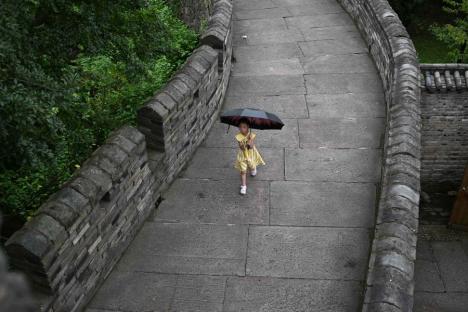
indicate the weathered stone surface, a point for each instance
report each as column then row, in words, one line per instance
column 427, row 277
column 333, row 32
column 267, row 85
column 214, row 202
column 331, row 165
column 259, row 25
column 188, row 248
column 330, row 64
column 221, row 164
column 342, row 132
column 347, row 46
column 267, row 52
column 269, row 37
column 301, row 295
column 428, row 302
column 290, row 66
column 346, row 105
column 286, row 137
column 453, row 265
column 342, row 83
column 318, row 253
column 317, row 204
column 261, row 13
column 305, row 23
column 160, row 292
column 285, row 106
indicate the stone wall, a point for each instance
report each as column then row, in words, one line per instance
column 79, row 234
column 390, row 278
column 14, row 292
column 444, row 109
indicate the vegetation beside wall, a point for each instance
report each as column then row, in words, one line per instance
column 70, row 72
column 439, row 28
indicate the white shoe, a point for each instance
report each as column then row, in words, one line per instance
column 253, row 173
column 243, row 189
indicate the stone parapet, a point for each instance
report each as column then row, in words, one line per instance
column 390, row 279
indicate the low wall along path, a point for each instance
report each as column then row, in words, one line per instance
column 300, row 239
column 329, row 224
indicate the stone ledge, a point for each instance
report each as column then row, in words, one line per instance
column 219, row 25
column 394, row 244
column 444, row 77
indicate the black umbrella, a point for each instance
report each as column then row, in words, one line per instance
column 257, row 119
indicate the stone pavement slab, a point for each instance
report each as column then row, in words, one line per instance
column 332, row 32
column 287, row 137
column 427, row 277
column 267, row 52
column 184, row 248
column 348, row 45
column 259, row 25
column 267, row 85
column 314, row 8
column 305, row 23
column 290, row 295
column 285, row 106
column 218, row 164
column 322, row 204
column 307, row 252
column 261, row 13
column 453, row 265
column 346, row 105
column 332, row 64
column 138, row 291
column 253, row 5
column 268, row 68
column 135, row 292
column 333, row 165
column 342, row 132
column 205, row 201
column 291, row 36
column 440, row 302
column 343, row 83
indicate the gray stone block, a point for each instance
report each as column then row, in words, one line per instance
column 214, row 202
column 307, row 252
column 187, row 248
column 316, row 204
column 333, row 165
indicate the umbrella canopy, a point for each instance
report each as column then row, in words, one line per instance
column 258, row 119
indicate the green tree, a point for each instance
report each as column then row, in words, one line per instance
column 71, row 71
column 455, row 35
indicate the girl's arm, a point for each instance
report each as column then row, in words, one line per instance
column 251, row 140
column 241, row 146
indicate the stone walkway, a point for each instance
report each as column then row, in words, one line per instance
column 299, row 241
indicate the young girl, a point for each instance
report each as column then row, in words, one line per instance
column 248, row 158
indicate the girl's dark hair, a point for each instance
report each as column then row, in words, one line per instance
column 244, row 121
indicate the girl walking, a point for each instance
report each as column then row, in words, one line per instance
column 248, row 157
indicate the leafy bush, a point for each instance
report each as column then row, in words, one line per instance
column 455, row 34
column 70, row 72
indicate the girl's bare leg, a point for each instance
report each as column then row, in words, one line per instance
column 243, row 178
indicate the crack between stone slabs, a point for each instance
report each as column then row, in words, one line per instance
column 247, row 250
column 439, row 271
column 384, row 302
column 440, row 292
column 285, row 180
column 251, row 276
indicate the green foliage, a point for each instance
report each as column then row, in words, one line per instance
column 455, row 34
column 407, row 9
column 71, row 71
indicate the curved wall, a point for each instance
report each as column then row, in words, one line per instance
column 79, row 234
column 390, row 278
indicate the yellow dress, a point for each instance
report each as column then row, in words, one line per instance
column 247, row 158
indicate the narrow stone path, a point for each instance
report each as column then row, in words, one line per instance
column 299, row 241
